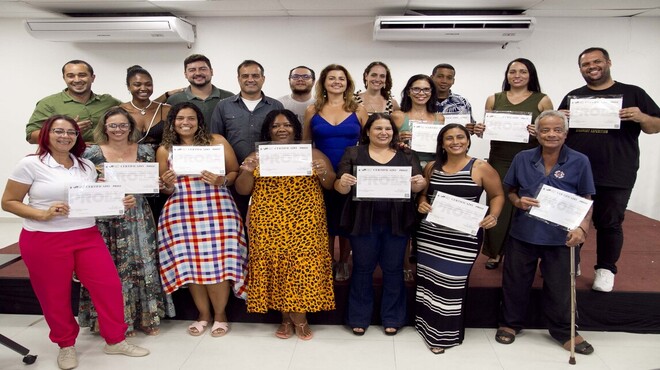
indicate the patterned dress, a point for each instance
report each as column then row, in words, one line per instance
column 290, row 265
column 444, row 260
column 201, row 237
column 132, row 243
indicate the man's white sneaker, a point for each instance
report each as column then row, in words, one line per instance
column 67, row 358
column 126, row 349
column 604, row 281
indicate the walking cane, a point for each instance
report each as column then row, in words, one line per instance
column 571, row 360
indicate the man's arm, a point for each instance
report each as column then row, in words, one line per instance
column 41, row 113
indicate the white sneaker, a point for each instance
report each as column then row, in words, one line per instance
column 67, row 358
column 604, row 281
column 125, row 348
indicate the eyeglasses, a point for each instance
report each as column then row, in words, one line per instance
column 63, row 132
column 301, row 77
column 418, row 90
column 121, row 126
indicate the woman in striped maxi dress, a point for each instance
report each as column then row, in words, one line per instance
column 445, row 256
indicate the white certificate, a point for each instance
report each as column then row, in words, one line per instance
column 383, row 182
column 456, row 213
column 458, row 118
column 560, row 207
column 192, row 160
column 96, row 200
column 424, row 136
column 285, row 159
column 595, row 112
column 137, row 178
column 507, row 126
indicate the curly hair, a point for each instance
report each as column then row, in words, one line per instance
column 170, row 137
column 385, row 91
column 267, row 126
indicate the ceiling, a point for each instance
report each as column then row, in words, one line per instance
column 301, row 8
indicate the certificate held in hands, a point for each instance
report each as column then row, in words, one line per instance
column 598, row 112
column 560, row 207
column 96, row 200
column 137, row 178
column 382, row 182
column 507, row 126
column 285, row 159
column 424, row 136
column 456, row 213
column 192, row 160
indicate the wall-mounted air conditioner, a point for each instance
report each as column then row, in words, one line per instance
column 113, row 29
column 491, row 28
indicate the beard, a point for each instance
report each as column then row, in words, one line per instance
column 301, row 90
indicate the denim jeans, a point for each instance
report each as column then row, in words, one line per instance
column 369, row 250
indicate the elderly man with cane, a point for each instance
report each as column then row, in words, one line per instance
column 530, row 239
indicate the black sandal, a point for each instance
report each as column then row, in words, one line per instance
column 359, row 331
column 504, row 337
column 391, row 331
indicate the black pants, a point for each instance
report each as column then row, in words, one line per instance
column 608, row 213
column 520, row 264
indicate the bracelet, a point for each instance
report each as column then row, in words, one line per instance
column 583, row 230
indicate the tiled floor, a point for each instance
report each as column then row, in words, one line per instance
column 254, row 347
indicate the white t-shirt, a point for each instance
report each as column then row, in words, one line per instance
column 49, row 183
column 295, row 106
column 251, row 104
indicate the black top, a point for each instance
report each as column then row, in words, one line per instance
column 359, row 216
column 614, row 154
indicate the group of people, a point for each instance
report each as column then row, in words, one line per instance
column 197, row 233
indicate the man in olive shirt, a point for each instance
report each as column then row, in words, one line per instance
column 198, row 71
column 76, row 101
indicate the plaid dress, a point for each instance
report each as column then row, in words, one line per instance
column 201, row 238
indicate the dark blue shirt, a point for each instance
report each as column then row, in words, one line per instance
column 572, row 174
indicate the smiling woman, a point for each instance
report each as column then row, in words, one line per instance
column 377, row 98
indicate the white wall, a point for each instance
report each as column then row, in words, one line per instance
column 32, row 67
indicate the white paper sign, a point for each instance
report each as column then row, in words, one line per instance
column 285, row 159
column 595, row 112
column 458, row 118
column 192, row 160
column 96, row 200
column 137, row 178
column 560, row 207
column 424, row 136
column 507, row 126
column 456, row 213
column 386, row 182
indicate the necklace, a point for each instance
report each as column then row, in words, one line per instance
column 143, row 111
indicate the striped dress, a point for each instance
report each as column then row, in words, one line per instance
column 201, row 238
column 444, row 260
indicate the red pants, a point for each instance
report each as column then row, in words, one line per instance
column 51, row 259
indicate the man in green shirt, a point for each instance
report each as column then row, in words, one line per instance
column 76, row 101
column 198, row 71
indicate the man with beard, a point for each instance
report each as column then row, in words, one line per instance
column 198, row 71
column 76, row 101
column 301, row 81
column 614, row 156
column 239, row 118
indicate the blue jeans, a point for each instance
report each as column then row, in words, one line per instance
column 387, row 250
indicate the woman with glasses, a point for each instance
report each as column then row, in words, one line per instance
column 201, row 239
column 149, row 115
column 377, row 98
column 521, row 92
column 333, row 123
column 54, row 246
column 131, row 238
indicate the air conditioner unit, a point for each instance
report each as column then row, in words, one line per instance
column 491, row 28
column 113, row 29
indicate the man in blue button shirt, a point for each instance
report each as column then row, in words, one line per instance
column 530, row 240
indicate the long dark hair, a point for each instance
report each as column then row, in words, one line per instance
column 385, row 91
column 267, row 126
column 440, row 153
column 533, row 85
column 170, row 137
column 364, row 138
column 406, row 100
column 44, row 139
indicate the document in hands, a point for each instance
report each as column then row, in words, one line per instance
column 383, row 182
column 137, row 178
column 424, row 136
column 507, row 126
column 285, row 159
column 456, row 213
column 96, row 200
column 600, row 112
column 458, row 118
column 560, row 207
column 192, row 160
